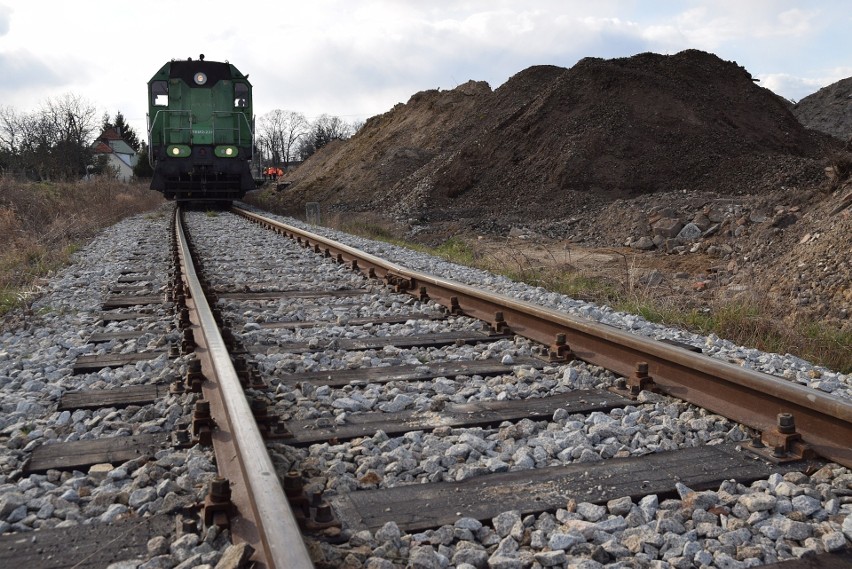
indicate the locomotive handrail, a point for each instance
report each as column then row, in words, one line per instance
column 238, row 128
column 165, row 128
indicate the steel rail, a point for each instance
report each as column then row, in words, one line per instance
column 265, row 519
column 821, row 423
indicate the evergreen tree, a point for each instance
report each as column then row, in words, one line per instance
column 143, row 168
column 127, row 133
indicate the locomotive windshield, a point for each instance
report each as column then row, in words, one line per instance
column 241, row 95
column 160, row 93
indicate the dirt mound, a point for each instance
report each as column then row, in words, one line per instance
column 828, row 110
column 681, row 163
column 551, row 140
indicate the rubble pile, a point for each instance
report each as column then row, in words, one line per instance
column 660, row 155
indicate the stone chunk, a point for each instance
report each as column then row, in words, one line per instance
column 235, row 556
column 644, row 243
column 689, row 232
column 667, row 227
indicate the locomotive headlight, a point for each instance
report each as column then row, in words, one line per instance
column 200, row 78
column 178, row 151
column 226, row 151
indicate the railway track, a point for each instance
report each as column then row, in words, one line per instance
column 413, row 420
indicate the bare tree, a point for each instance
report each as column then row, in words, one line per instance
column 323, row 130
column 74, row 123
column 327, row 128
column 279, row 132
column 10, row 135
column 52, row 142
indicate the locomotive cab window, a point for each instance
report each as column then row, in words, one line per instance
column 241, row 95
column 160, row 93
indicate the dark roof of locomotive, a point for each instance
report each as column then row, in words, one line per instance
column 185, row 70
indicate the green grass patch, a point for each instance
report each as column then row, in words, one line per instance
column 455, row 250
column 9, row 299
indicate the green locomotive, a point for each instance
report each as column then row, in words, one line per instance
column 200, row 131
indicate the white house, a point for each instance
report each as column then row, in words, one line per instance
column 120, row 155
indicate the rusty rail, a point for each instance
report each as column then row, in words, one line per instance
column 249, row 480
column 793, row 421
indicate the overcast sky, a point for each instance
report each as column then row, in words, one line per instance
column 358, row 58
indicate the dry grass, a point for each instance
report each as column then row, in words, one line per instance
column 41, row 224
column 748, row 321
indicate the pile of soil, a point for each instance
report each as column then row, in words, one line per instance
column 706, row 180
column 828, row 110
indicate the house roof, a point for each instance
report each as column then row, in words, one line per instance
column 110, row 134
column 121, row 147
column 111, row 142
column 101, row 147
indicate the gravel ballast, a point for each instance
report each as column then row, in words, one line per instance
column 783, row 517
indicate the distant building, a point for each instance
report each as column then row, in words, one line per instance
column 121, row 156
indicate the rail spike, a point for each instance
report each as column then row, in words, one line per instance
column 218, row 507
column 638, row 382
column 783, row 443
column 559, row 351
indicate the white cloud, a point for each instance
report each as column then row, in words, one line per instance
column 5, row 17
column 357, row 59
column 797, row 88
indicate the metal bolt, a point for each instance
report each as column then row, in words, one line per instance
column 202, row 408
column 786, row 423
column 324, row 514
column 258, row 407
column 292, row 483
column 220, row 489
